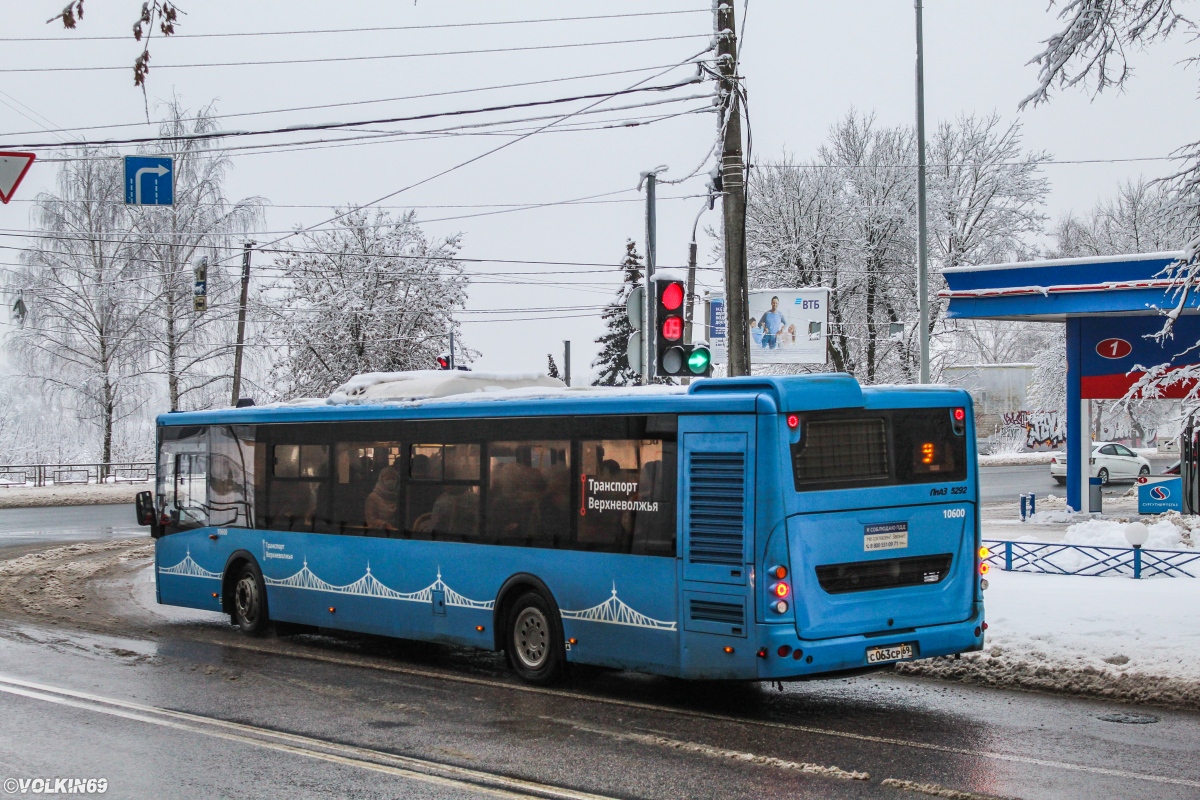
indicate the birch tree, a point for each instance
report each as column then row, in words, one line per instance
column 81, row 338
column 371, row 294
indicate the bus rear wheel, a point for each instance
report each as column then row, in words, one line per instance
column 535, row 648
column 250, row 601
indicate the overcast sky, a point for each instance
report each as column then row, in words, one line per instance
column 806, row 64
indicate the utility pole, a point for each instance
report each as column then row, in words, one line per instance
column 648, row 333
column 922, row 232
column 247, row 249
column 733, row 202
column 567, row 361
column 452, row 366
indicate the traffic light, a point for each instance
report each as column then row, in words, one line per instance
column 674, row 358
column 443, row 361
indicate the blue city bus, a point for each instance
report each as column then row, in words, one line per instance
column 757, row 528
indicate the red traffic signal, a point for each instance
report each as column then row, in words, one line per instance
column 443, row 362
column 672, row 358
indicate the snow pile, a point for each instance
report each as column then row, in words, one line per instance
column 1016, row 459
column 425, row 384
column 1165, row 534
column 1120, row 638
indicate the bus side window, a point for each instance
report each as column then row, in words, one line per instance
column 628, row 496
column 299, row 487
column 231, row 476
column 366, row 488
column 529, row 493
column 442, row 493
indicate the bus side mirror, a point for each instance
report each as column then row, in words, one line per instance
column 144, row 503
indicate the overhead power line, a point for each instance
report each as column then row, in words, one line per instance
column 407, row 137
column 330, row 126
column 392, row 56
column 345, row 104
column 373, row 29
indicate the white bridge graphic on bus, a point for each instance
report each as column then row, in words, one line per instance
column 612, row 611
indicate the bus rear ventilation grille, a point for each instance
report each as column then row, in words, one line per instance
column 716, row 508
column 709, row 611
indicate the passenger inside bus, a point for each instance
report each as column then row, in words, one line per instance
column 382, row 503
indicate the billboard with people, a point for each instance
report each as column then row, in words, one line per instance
column 785, row 326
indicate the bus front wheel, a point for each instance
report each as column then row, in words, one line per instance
column 535, row 648
column 250, row 600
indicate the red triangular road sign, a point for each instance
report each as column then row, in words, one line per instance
column 13, row 167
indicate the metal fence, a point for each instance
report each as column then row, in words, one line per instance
column 16, row 475
column 1056, row 558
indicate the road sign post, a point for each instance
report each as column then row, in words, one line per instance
column 149, row 181
column 13, row 167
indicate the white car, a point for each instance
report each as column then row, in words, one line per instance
column 1110, row 462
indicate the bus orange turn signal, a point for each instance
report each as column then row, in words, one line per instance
column 778, row 572
column 728, row 649
column 984, row 553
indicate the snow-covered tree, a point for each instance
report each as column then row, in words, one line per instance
column 192, row 351
column 1143, row 217
column 1092, row 50
column 613, row 360
column 82, row 341
column 847, row 220
column 372, row 293
column 551, row 366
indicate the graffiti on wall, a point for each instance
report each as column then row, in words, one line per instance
column 1042, row 428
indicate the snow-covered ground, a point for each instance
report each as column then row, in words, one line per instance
column 70, row 495
column 1016, row 459
column 1134, row 640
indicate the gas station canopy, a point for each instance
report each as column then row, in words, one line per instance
column 1112, row 306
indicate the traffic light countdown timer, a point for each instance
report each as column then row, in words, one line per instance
column 674, row 358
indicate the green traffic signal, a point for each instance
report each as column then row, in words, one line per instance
column 699, row 360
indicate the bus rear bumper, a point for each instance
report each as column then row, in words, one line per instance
column 800, row 658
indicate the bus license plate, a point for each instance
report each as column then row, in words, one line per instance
column 882, row 655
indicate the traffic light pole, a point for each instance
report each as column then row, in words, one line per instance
column 733, row 202
column 247, row 249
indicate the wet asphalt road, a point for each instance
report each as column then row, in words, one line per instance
column 1009, row 483
column 67, row 523
column 175, row 703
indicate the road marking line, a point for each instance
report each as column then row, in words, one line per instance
column 718, row 752
column 862, row 737
column 934, row 790
column 348, row 755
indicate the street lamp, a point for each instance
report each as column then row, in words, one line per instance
column 1136, row 533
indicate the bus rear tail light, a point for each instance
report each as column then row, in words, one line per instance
column 985, row 568
column 793, row 421
column 781, row 589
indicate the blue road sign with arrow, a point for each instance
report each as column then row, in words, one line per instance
column 149, row 181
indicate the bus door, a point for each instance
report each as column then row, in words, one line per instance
column 717, row 480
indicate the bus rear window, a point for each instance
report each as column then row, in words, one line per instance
column 845, row 450
column 842, row 450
